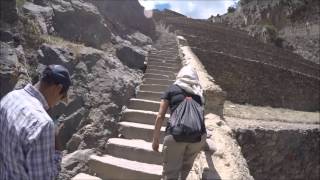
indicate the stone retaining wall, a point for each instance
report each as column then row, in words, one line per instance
column 281, row 154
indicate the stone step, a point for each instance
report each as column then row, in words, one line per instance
column 142, row 104
column 141, row 116
column 164, row 63
column 165, row 82
column 132, row 130
column 134, row 150
column 166, row 60
column 158, row 76
column 162, row 56
column 153, row 87
column 83, row 176
column 149, row 95
column 108, row 167
column 166, row 68
column 156, row 71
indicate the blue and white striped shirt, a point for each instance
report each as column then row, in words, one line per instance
column 27, row 137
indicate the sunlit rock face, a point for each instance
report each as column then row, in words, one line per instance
column 126, row 16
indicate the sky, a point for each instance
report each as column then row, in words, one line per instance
column 197, row 9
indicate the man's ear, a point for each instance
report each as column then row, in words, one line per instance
column 60, row 87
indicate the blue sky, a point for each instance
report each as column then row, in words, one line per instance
column 198, row 9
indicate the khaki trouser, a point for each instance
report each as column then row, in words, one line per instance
column 178, row 157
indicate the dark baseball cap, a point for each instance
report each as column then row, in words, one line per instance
column 61, row 75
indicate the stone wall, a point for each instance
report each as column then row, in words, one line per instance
column 261, row 84
column 281, row 154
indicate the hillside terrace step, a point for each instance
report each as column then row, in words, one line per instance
column 83, row 176
column 108, row 167
column 132, row 130
column 142, row 116
column 165, row 82
column 134, row 150
column 158, row 76
column 153, row 87
column 149, row 95
column 166, row 68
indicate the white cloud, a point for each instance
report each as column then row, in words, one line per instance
column 198, row 9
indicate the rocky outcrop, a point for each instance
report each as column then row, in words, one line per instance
column 80, row 21
column 13, row 73
column 101, row 85
column 42, row 15
column 289, row 24
column 126, row 17
column 133, row 57
column 8, row 69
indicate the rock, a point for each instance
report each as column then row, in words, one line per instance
column 81, row 22
column 126, row 16
column 42, row 15
column 71, row 124
column 9, row 69
column 74, row 142
column 131, row 56
column 41, row 2
column 139, row 39
column 5, row 36
column 55, row 54
column 8, row 11
column 70, row 161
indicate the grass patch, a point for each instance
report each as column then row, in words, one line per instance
column 55, row 40
column 20, row 3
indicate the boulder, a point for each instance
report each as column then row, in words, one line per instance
column 70, row 161
column 56, row 54
column 9, row 69
column 8, row 11
column 126, row 16
column 81, row 22
column 132, row 56
column 71, row 124
column 139, row 39
column 42, row 15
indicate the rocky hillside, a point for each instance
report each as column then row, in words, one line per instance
column 103, row 44
column 291, row 24
column 251, row 72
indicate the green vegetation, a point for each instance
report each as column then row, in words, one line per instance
column 31, row 31
column 19, row 3
column 231, row 9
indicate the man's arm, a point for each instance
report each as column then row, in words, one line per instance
column 43, row 161
column 159, row 120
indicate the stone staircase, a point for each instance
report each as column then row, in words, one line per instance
column 132, row 157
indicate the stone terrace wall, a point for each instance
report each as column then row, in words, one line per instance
column 281, row 154
column 250, row 71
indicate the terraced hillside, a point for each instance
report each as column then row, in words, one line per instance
column 248, row 70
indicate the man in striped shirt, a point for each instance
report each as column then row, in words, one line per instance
column 27, row 134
